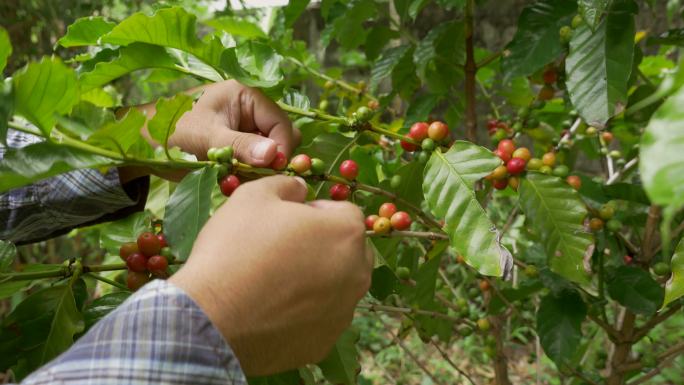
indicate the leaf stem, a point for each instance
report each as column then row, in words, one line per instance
column 409, row 234
column 108, row 281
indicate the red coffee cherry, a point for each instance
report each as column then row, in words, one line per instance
column 400, row 220
column 157, row 264
column 370, row 221
column 349, row 169
column 574, row 181
column 148, row 244
column 550, row 76
column 438, row 131
column 382, row 226
column 504, row 156
column 339, row 192
column 135, row 280
column 628, row 259
column 229, row 184
column 409, row 147
column 300, row 163
column 279, row 163
column 500, row 184
column 507, row 146
column 546, row 93
column 515, row 166
column 127, row 249
column 387, row 210
column 418, row 131
column 162, row 240
column 136, row 262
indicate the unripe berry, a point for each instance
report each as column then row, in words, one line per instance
column 403, row 273
column 565, row 34
column 148, row 244
column 615, row 154
column 135, row 281
column 382, row 226
column 370, row 221
column 574, row 181
column 590, row 131
column 606, row 211
column 279, row 163
column 418, row 131
column 428, row 144
column 506, row 146
column 221, row 170
column 531, row 271
column 229, row 184
column 545, row 170
column 576, row 21
column 561, row 171
column 662, row 269
column 395, row 182
column 329, row 84
column 614, row 225
column 364, row 113
column 423, row 157
column 127, row 249
column 515, row 166
column 166, row 252
column 211, row 154
column 339, row 192
column 438, row 131
column 387, row 209
column 522, row 153
column 136, row 262
column 349, row 169
column 549, row 159
column 157, row 264
column 500, row 134
column 504, row 156
column 317, row 166
column 225, row 154
column 483, row 324
column 514, row 182
column 546, row 93
column 500, row 184
column 323, row 104
column 596, row 224
column 499, row 173
column 300, row 163
column 534, row 164
column 400, row 220
column 532, row 122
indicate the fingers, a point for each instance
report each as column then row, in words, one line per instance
column 249, row 148
column 291, row 189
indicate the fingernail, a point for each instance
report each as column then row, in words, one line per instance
column 300, row 180
column 260, row 150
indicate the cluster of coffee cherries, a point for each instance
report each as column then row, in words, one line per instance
column 227, row 182
column 428, row 135
column 603, row 218
column 388, row 219
column 148, row 256
column 517, row 160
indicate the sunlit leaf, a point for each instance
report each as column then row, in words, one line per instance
column 674, row 289
column 168, row 112
column 5, row 48
column 236, row 26
column 86, row 31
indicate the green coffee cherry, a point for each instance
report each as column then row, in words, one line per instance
column 591, row 131
column 614, row 225
column 428, row 144
column 364, row 113
column 523, row 112
column 323, row 105
column 576, row 21
column 565, row 34
column 545, row 170
column 423, row 157
column 225, row 154
column 403, row 272
column 531, row 271
column 517, row 126
column 500, row 134
column 395, row 182
column 561, row 171
column 317, row 166
column 615, row 154
column 662, row 269
column 211, row 154
column 534, row 164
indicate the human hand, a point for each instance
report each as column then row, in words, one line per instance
column 280, row 279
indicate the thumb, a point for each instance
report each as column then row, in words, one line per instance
column 286, row 188
column 252, row 149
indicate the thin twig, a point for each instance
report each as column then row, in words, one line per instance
column 409, row 311
column 450, row 362
column 409, row 234
column 107, row 281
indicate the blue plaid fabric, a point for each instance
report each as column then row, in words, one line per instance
column 56, row 205
column 158, row 336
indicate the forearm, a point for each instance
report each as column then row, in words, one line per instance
column 158, row 336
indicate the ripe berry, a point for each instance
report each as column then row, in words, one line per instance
column 162, row 240
column 484, row 285
column 403, row 273
column 428, row 144
column 438, row 131
column 135, row 281
column 507, row 146
column 148, row 244
column 504, row 156
column 515, row 166
column 409, row 147
column 606, row 211
column 514, row 182
column 596, row 224
column 549, row 159
column 339, row 192
column 607, row 136
column 546, row 93
column 300, row 163
column 492, row 124
column 382, row 226
column 418, row 131
column 370, row 221
column 373, row 104
column 225, row 154
column 127, row 249
column 157, row 263
column 500, row 184
column 349, row 169
column 550, row 76
column 136, row 262
column 387, row 209
column 522, row 153
column 574, row 181
column 628, row 259
column 279, row 162
column 499, row 173
column 561, row 171
column 534, row 164
column 483, row 324
column 229, row 184
column 400, row 220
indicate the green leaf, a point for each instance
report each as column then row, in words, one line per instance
column 169, row 111
column 341, row 365
column 404, row 78
column 559, row 323
column 377, row 38
column 599, row 66
column 634, row 289
column 671, row 37
column 120, row 135
column 6, row 107
column 331, row 148
column 231, row 65
column 188, row 210
column 536, row 42
column 348, row 28
column 102, row 306
column 7, row 253
column 592, row 10
column 86, row 31
column 416, row 6
column 168, row 27
column 661, row 157
column 293, row 10
column 674, row 289
column 5, row 48
column 237, row 27
column 42, row 160
column 448, row 187
column 124, row 230
column 386, row 64
column 9, row 288
column 556, row 211
column 132, row 58
column 43, row 89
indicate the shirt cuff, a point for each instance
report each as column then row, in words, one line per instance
column 159, row 335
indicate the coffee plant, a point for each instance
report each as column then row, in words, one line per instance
column 528, row 196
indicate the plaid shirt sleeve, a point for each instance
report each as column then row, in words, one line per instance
column 158, row 336
column 56, row 205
